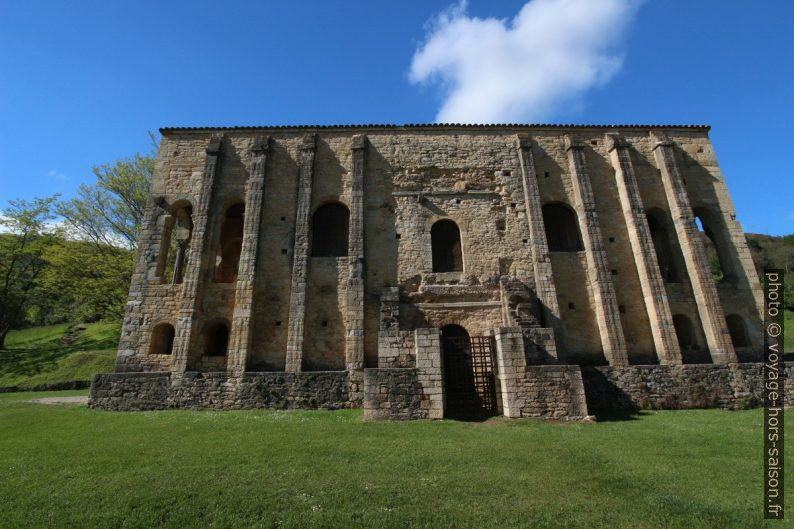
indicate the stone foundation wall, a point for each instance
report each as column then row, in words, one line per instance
column 155, row 391
column 399, row 393
column 732, row 386
column 394, row 394
column 551, row 391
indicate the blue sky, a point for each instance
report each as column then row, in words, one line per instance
column 81, row 83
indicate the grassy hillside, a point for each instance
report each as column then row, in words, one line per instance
column 69, row 466
column 44, row 355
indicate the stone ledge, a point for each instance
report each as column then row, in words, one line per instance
column 687, row 386
column 217, row 390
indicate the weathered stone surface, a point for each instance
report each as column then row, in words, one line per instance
column 730, row 386
column 380, row 304
column 157, row 391
column 394, row 394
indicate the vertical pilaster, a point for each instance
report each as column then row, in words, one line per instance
column 653, row 291
column 241, row 331
column 429, row 366
column 544, row 277
column 190, row 303
column 706, row 296
column 354, row 341
column 149, row 249
column 511, row 368
column 300, row 256
column 606, row 302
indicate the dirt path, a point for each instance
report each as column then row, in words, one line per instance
column 61, row 400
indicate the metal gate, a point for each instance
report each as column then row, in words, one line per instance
column 469, row 379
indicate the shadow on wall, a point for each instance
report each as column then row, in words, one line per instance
column 604, row 396
column 381, row 244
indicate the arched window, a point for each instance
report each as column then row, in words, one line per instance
column 230, row 244
column 178, row 230
column 216, row 339
column 737, row 330
column 562, row 228
column 684, row 332
column 330, row 230
column 445, row 240
column 162, row 341
column 662, row 237
column 716, row 248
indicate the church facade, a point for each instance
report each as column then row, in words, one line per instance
column 424, row 271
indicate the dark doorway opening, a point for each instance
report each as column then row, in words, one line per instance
column 469, row 378
column 445, row 241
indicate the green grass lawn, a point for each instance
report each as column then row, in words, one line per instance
column 35, row 356
column 788, row 329
column 69, row 466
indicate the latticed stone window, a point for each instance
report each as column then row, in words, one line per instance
column 662, row 236
column 330, row 225
column 717, row 253
column 176, row 241
column 447, row 254
column 230, row 244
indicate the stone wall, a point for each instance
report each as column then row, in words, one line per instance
column 155, row 391
column 732, row 386
column 408, row 393
column 551, row 392
column 394, row 394
column 291, row 310
column 412, row 177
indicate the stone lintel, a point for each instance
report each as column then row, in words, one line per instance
column 572, row 142
column 615, row 141
column 261, row 146
column 214, row 146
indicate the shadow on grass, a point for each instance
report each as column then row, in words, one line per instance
column 39, row 356
column 464, row 416
column 618, row 415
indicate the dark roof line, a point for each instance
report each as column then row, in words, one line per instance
column 166, row 130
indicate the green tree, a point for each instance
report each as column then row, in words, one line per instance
column 83, row 281
column 89, row 271
column 110, row 211
column 24, row 238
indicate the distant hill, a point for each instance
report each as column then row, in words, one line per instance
column 772, row 252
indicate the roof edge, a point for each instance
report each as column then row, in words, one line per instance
column 168, row 130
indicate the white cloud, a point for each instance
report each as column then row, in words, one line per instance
column 52, row 173
column 522, row 69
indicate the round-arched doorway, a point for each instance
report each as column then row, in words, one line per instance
column 469, row 381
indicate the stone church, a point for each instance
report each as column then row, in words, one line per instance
column 428, row 271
